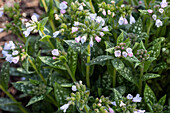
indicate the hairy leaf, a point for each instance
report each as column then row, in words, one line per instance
column 149, row 95
column 162, row 100
column 118, row 64
column 148, row 76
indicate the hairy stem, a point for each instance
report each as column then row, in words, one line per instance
column 14, row 100
column 39, row 73
column 141, row 79
column 88, row 68
column 114, row 77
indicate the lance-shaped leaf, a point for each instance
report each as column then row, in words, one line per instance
column 75, row 46
column 162, row 100
column 127, row 74
column 148, row 63
column 4, row 75
column 100, row 59
column 117, row 95
column 35, row 99
column 120, row 38
column 160, row 39
column 42, row 23
column 72, row 60
column 60, row 93
column 45, row 38
column 8, row 105
column 49, row 61
column 132, row 59
column 155, row 50
column 149, row 95
column 148, row 76
column 117, row 63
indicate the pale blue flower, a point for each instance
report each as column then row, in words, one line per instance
column 74, row 88
column 137, row 98
column 114, row 103
column 105, row 28
column 117, row 53
column 9, row 58
column 129, row 96
column 158, row 23
column 121, row 20
column 15, row 60
column 132, row 19
column 91, row 42
column 55, row 52
column 55, row 34
column 15, row 52
column 65, row 107
column 83, row 39
column 63, row 6
column 93, row 16
column 99, row 19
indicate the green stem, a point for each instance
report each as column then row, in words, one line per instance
column 141, row 79
column 48, row 40
column 86, row 109
column 70, row 73
column 91, row 5
column 39, row 73
column 146, row 6
column 44, row 4
column 21, row 38
column 88, row 68
column 14, row 100
column 52, row 25
column 114, row 77
column 148, row 30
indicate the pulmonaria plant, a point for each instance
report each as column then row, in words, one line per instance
column 142, row 55
column 122, row 51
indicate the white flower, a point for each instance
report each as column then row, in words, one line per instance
column 34, row 18
column 77, row 39
column 74, row 29
column 64, row 107
column 83, row 39
column 104, row 12
column 101, row 34
column 113, row 14
column 113, row 2
column 129, row 96
column 1, row 29
column 164, row 4
column 37, row 15
column 132, row 19
column 91, row 42
column 121, row 20
column 74, row 88
column 100, row 20
column 154, row 16
column 109, row 12
column 93, row 16
column 55, row 34
column 56, row 17
column 76, row 23
column 81, row 8
column 124, row 54
column 161, row 10
column 117, row 53
column 9, row 58
column 26, row 33
column 129, row 50
column 5, row 53
column 15, row 52
column 137, row 98
column 15, row 59
column 55, row 52
column 158, row 23
column 122, row 104
column 63, row 6
column 105, row 28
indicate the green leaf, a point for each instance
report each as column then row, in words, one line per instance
column 35, row 99
column 141, row 46
column 118, row 64
column 49, row 61
column 100, row 59
column 120, row 38
column 160, row 39
column 4, row 75
column 45, row 38
column 162, row 100
column 148, row 76
column 75, row 46
column 109, row 44
column 8, row 105
column 72, row 60
column 155, row 50
column 21, row 70
column 149, row 95
column 137, row 28
column 132, row 59
column 127, row 74
column 42, row 23
column 148, row 63
column 60, row 94
column 117, row 95
column 110, row 50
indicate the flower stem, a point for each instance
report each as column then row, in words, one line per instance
column 88, row 68
column 114, row 77
column 44, row 4
column 48, row 40
column 39, row 73
column 141, row 79
column 70, row 73
column 146, row 6
column 14, row 100
column 148, row 30
column 91, row 5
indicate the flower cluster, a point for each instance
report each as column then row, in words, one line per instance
column 63, row 7
column 111, row 10
column 80, row 98
column 142, row 55
column 10, row 52
column 122, row 51
column 102, row 105
column 39, row 89
column 160, row 9
column 31, row 26
column 91, row 28
column 128, row 104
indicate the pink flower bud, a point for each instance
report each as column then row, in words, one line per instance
column 54, row 58
column 150, row 11
column 130, row 54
